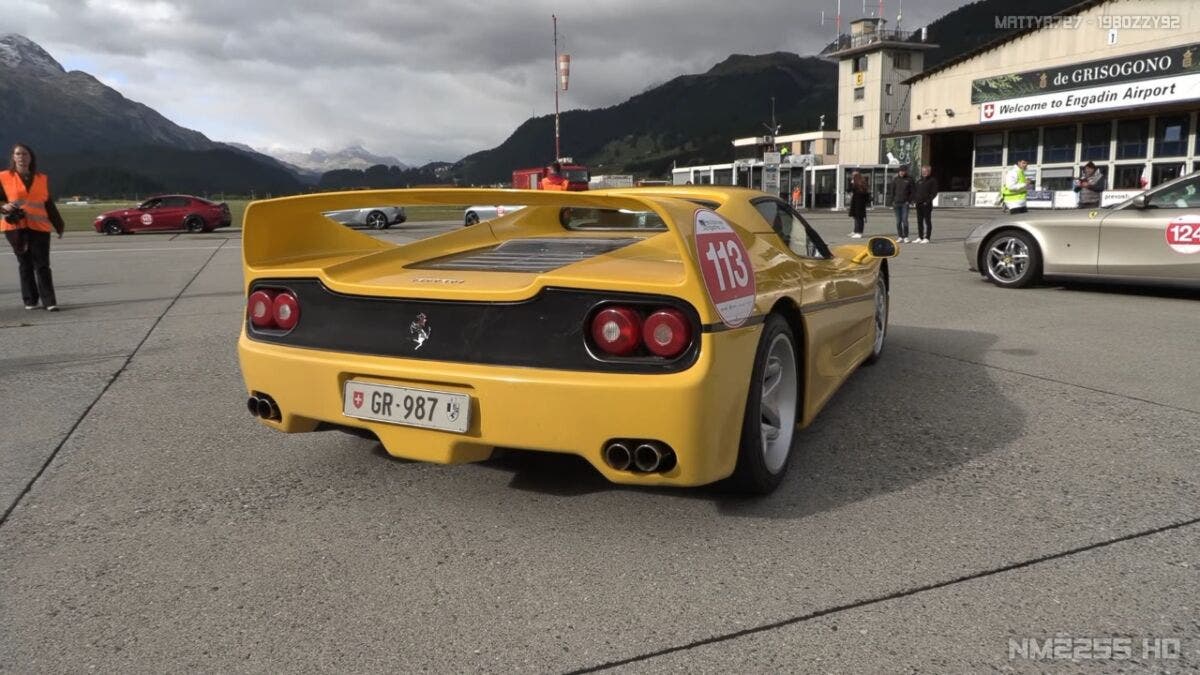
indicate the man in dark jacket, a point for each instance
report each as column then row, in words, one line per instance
column 923, row 194
column 1090, row 186
column 902, row 193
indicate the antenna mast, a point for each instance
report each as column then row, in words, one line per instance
column 557, row 153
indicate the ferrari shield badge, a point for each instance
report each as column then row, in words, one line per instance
column 419, row 330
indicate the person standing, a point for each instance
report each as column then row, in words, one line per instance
column 924, row 192
column 1015, row 188
column 902, row 194
column 554, row 179
column 29, row 214
column 1090, row 186
column 860, row 193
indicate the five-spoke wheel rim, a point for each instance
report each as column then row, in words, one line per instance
column 881, row 315
column 777, row 409
column 1008, row 259
column 376, row 220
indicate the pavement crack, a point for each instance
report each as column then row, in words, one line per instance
column 1043, row 378
column 87, row 411
column 983, row 574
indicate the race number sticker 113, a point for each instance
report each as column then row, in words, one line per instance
column 1183, row 234
column 725, row 265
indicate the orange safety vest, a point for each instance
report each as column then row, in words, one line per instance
column 554, row 183
column 32, row 200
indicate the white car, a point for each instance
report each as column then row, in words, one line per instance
column 475, row 214
column 375, row 217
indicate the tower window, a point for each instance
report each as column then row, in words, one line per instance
column 858, row 121
column 859, row 93
column 902, row 60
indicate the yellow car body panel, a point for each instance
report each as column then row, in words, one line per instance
column 697, row 410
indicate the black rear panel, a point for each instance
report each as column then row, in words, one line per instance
column 546, row 331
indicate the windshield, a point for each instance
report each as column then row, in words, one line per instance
column 576, row 175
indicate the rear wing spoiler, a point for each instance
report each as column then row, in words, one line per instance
column 289, row 229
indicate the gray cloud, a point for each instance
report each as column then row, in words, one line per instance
column 410, row 78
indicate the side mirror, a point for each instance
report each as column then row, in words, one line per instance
column 877, row 247
column 1139, row 202
column 882, row 247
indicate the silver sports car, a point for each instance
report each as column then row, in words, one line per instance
column 1152, row 238
column 475, row 214
column 375, row 217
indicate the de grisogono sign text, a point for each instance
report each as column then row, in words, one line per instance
column 1119, row 82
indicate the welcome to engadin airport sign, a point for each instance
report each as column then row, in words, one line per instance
column 1128, row 81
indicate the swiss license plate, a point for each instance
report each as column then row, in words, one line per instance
column 405, row 405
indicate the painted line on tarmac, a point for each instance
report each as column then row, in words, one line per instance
column 726, row 637
column 87, row 411
column 136, row 250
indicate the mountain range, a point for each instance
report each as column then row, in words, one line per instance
column 99, row 142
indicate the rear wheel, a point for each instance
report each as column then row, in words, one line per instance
column 112, row 227
column 1011, row 259
column 376, row 220
column 769, row 424
column 470, row 219
column 194, row 224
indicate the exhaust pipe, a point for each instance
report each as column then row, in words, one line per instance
column 264, row 406
column 618, row 456
column 651, row 457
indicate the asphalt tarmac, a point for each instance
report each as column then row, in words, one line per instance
column 1017, row 481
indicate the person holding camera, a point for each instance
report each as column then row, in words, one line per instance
column 1090, row 186
column 29, row 214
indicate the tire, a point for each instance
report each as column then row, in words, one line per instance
column 882, row 311
column 376, row 220
column 1011, row 259
column 471, row 218
column 112, row 227
column 194, row 224
column 769, row 423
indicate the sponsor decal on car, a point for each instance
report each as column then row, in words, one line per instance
column 725, row 266
column 1183, row 234
column 147, row 219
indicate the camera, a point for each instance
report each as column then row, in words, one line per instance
column 15, row 216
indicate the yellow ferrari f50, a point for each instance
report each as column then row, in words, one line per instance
column 669, row 336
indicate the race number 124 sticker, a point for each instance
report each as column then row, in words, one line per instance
column 1183, row 234
column 725, row 265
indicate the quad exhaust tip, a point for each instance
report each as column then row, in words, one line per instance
column 263, row 406
column 646, row 456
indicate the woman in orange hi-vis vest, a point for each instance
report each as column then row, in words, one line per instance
column 29, row 214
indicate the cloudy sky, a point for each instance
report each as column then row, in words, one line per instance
column 420, row 80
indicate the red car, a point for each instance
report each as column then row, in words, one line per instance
column 166, row 212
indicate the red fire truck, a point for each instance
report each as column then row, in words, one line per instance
column 531, row 179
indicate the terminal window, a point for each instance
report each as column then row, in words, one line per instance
column 1128, row 176
column 1022, row 145
column 1170, row 136
column 1095, row 142
column 1058, row 145
column 989, row 149
column 1132, row 138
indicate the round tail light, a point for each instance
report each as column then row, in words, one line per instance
column 260, row 307
column 617, row 330
column 666, row 333
column 286, row 311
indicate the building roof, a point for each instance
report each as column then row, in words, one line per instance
column 1001, row 41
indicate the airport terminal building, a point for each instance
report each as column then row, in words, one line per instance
column 1115, row 82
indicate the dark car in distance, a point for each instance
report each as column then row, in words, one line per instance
column 166, row 212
